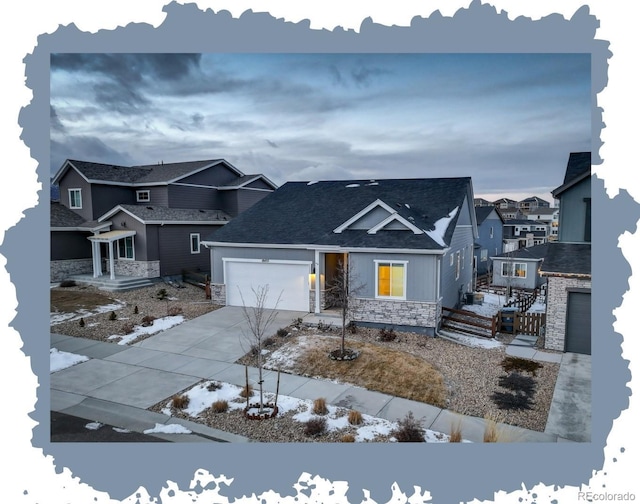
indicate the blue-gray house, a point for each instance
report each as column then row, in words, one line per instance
column 489, row 242
column 408, row 242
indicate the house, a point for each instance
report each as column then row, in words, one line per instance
column 519, row 268
column 567, row 265
column 489, row 243
column 481, row 202
column 520, row 233
column 532, row 203
column 504, row 203
column 408, row 243
column 143, row 221
column 511, row 212
column 550, row 217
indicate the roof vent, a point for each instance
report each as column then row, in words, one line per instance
column 149, row 208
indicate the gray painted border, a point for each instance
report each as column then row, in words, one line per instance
column 121, row 470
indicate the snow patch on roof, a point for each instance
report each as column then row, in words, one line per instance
column 353, row 185
column 407, row 205
column 312, row 182
column 440, row 227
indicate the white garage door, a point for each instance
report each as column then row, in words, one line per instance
column 288, row 280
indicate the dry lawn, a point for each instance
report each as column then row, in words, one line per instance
column 68, row 300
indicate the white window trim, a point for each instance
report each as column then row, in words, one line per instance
column 191, row 236
column 79, row 191
column 513, row 269
column 133, row 249
column 451, row 259
column 140, row 193
column 391, row 263
column 491, row 232
column 458, row 266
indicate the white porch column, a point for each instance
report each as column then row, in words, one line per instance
column 112, row 268
column 318, row 277
column 97, row 259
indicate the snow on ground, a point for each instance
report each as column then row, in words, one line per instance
column 168, row 429
column 158, row 325
column 93, row 425
column 61, row 360
column 58, row 318
column 471, row 341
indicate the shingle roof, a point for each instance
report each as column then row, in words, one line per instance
column 567, row 258
column 578, row 167
column 60, row 216
column 307, row 213
column 535, row 252
column 482, row 212
column 154, row 213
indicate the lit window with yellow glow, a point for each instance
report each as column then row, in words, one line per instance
column 391, row 279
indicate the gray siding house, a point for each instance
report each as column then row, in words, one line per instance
column 143, row 221
column 519, row 268
column 567, row 265
column 408, row 243
column 489, row 242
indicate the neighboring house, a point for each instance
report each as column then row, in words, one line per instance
column 143, row 221
column 408, row 242
column 511, row 213
column 482, row 202
column 504, row 203
column 567, row 265
column 519, row 268
column 532, row 203
column 548, row 216
column 489, row 242
column 519, row 233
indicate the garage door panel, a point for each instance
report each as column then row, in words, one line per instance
column 289, row 281
column 578, row 332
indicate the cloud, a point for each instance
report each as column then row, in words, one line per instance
column 55, row 122
column 86, row 148
column 271, row 144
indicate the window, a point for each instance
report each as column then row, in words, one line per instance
column 391, row 280
column 75, row 198
column 587, row 220
column 125, row 248
column 484, row 254
column 515, row 270
column 142, row 196
column 195, row 243
column 491, row 232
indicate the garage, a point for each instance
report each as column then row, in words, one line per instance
column 578, row 334
column 287, row 279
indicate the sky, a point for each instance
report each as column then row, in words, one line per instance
column 509, row 121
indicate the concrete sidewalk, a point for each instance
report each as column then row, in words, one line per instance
column 119, row 382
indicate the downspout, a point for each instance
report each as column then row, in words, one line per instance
column 438, row 269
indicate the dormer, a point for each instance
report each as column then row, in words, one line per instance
column 376, row 217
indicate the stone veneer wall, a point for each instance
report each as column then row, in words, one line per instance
column 312, row 300
column 146, row 269
column 219, row 294
column 557, row 299
column 397, row 313
column 59, row 270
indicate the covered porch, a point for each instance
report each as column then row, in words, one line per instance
column 107, row 238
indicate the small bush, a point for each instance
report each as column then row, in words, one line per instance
column 348, row 438
column 315, row 427
column 387, row 334
column 520, row 364
column 283, row 332
column 147, row 320
column 127, row 328
column 355, row 417
column 409, row 430
column 81, row 322
column 174, row 310
column 68, row 283
column 352, row 327
column 135, row 310
column 491, row 430
column 213, row 386
column 162, row 294
column 246, row 391
column 320, row 406
column 180, row 401
column 297, row 323
column 113, row 316
column 456, row 433
column 268, row 341
column 220, row 406
column 322, row 327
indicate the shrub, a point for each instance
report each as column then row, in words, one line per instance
column 180, row 401
column 297, row 323
column 246, row 391
column 268, row 341
column 174, row 310
column 491, row 429
column 81, row 322
column 355, row 417
column 283, row 332
column 352, row 327
column 315, row 427
column 520, row 364
column 113, row 316
column 387, row 334
column 409, row 430
column 322, row 327
column 127, row 328
column 213, row 386
column 162, row 294
column 147, row 320
column 135, row 310
column 456, row 433
column 320, row 406
column 348, row 438
column 68, row 283
column 220, row 406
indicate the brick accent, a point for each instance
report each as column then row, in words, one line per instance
column 145, row 269
column 219, row 294
column 312, row 300
column 557, row 298
column 400, row 313
column 59, row 270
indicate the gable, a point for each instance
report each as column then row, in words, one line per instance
column 379, row 216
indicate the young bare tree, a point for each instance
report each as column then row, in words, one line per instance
column 259, row 318
column 340, row 292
